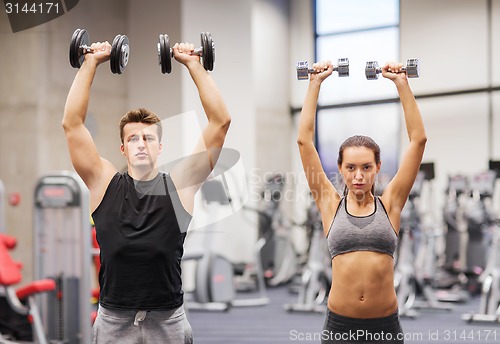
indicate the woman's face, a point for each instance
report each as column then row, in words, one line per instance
column 359, row 169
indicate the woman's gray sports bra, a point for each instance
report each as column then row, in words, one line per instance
column 350, row 233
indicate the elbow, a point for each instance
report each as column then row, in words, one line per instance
column 226, row 122
column 301, row 141
column 421, row 141
column 69, row 124
column 65, row 125
column 222, row 124
column 418, row 137
column 305, row 136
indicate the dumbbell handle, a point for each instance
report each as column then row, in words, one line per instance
column 313, row 71
column 197, row 52
column 85, row 49
column 379, row 70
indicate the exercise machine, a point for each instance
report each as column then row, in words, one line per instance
column 404, row 269
column 456, row 224
column 489, row 307
column 62, row 251
column 214, row 277
column 316, row 278
column 410, row 272
column 467, row 214
column 21, row 300
column 429, row 256
column 2, row 208
column 278, row 255
column 478, row 213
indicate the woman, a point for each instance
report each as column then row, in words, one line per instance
column 361, row 229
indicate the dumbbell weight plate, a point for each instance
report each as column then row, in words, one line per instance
column 118, row 59
column 412, row 68
column 204, row 46
column 343, row 67
column 73, row 49
column 212, row 51
column 80, row 37
column 208, row 54
column 112, row 58
column 164, row 54
column 371, row 70
column 123, row 53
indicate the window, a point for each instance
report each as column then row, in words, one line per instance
column 361, row 30
column 335, row 16
column 360, row 47
column 380, row 122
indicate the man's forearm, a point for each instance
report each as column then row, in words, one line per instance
column 77, row 101
column 209, row 93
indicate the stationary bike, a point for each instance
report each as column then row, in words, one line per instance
column 489, row 307
column 214, row 277
column 409, row 274
column 317, row 276
column 278, row 257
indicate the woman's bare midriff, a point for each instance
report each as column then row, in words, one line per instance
column 363, row 285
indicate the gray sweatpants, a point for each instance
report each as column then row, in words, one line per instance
column 142, row 327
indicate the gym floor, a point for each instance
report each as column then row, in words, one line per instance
column 272, row 324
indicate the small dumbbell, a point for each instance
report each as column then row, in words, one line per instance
column 79, row 46
column 206, row 51
column 412, row 69
column 303, row 69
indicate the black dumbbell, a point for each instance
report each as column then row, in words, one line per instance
column 206, row 51
column 303, row 69
column 79, row 46
column 412, row 69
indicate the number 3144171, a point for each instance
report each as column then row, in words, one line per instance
column 41, row 8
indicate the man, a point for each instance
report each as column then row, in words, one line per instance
column 141, row 216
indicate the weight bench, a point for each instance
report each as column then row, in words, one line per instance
column 10, row 274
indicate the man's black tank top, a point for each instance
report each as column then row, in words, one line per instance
column 141, row 242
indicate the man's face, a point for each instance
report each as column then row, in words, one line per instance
column 141, row 145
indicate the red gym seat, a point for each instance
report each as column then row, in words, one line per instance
column 10, row 274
